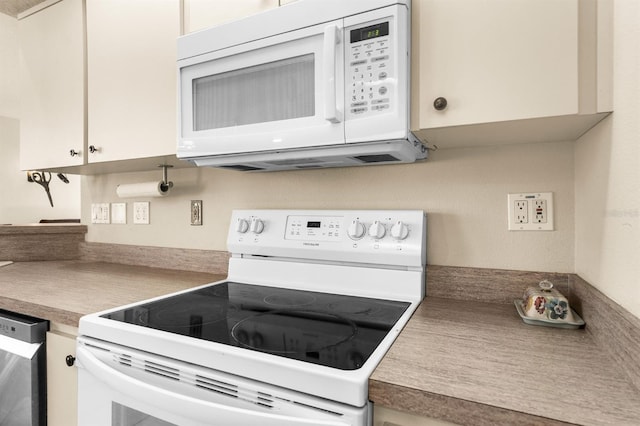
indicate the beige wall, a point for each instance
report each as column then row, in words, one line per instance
column 463, row 191
column 608, row 177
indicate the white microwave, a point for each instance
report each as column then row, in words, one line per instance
column 314, row 83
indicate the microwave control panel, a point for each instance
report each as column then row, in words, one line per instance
column 369, row 86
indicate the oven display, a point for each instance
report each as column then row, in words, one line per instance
column 327, row 329
column 314, row 228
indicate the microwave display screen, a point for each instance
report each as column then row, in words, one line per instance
column 378, row 30
column 313, row 224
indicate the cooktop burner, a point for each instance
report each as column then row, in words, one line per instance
column 327, row 329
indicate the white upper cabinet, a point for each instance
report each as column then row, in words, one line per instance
column 131, row 74
column 52, row 93
column 200, row 14
column 508, row 70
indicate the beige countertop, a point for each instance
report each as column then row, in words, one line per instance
column 465, row 362
column 480, row 364
column 63, row 291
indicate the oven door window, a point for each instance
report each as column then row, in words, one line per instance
column 125, row 416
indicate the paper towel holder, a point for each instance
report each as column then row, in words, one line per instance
column 166, row 184
column 147, row 189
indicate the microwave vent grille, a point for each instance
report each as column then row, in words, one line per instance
column 376, row 158
column 242, row 168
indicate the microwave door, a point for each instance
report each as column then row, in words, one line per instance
column 281, row 92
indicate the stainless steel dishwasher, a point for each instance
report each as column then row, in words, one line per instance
column 23, row 384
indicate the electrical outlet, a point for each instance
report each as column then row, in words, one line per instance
column 141, row 213
column 521, row 211
column 196, row 212
column 530, row 211
column 540, row 211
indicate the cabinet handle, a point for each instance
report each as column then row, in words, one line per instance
column 73, row 152
column 93, row 149
column 70, row 360
column 440, row 103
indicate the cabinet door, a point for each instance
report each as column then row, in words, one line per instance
column 131, row 61
column 201, row 14
column 52, row 121
column 62, row 380
column 496, row 60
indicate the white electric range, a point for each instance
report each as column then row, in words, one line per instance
column 312, row 302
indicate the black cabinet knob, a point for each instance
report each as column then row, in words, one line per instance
column 73, row 152
column 70, row 360
column 440, row 103
column 93, row 149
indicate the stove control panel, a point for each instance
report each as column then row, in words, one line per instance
column 395, row 237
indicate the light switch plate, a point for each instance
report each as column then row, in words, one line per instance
column 119, row 213
column 100, row 213
column 141, row 213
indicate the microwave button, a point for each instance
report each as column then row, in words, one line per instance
column 382, row 75
column 379, row 101
column 358, row 104
column 359, row 110
column 383, row 90
column 380, row 107
column 360, row 62
column 380, row 58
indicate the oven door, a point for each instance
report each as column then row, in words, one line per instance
column 281, row 92
column 119, row 386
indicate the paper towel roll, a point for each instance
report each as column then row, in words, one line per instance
column 144, row 189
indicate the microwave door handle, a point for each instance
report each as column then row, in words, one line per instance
column 331, row 40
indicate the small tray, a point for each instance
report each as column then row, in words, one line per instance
column 579, row 322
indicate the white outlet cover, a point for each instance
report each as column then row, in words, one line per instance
column 532, row 224
column 141, row 213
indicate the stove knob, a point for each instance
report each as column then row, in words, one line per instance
column 356, row 230
column 257, row 225
column 377, row 230
column 399, row 231
column 242, row 226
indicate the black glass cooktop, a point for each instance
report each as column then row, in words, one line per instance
column 327, row 329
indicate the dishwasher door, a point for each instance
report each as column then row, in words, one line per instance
column 22, row 370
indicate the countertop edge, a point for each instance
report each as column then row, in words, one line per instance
column 450, row 409
column 36, row 228
column 53, row 315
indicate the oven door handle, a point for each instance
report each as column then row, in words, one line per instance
column 198, row 410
